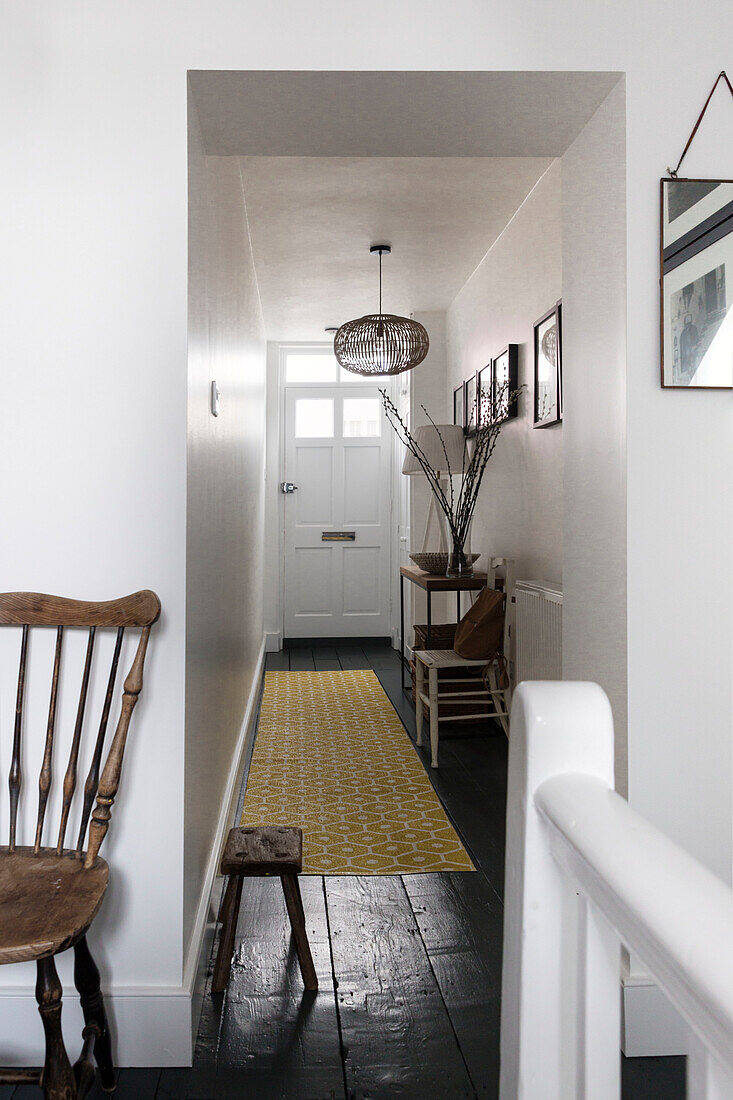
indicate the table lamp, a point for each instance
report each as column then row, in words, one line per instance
column 444, row 448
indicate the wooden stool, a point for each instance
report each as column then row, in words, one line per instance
column 255, row 851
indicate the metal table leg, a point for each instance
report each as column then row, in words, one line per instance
column 458, row 606
column 402, row 632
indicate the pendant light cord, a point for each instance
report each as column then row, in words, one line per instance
column 380, row 282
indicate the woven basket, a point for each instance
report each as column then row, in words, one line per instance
column 435, row 563
column 441, row 637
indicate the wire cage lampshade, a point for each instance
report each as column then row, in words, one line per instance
column 380, row 343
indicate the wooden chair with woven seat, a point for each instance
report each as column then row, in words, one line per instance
column 49, row 896
column 493, row 697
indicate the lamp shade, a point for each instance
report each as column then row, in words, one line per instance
column 429, row 441
column 381, row 343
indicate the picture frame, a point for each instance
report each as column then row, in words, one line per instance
column 696, row 283
column 470, row 406
column 505, row 377
column 484, row 393
column 548, row 368
column 459, row 405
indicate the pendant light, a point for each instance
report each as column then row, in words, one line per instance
column 380, row 343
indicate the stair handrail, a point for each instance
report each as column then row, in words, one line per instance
column 585, row 874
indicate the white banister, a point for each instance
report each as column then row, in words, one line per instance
column 585, row 873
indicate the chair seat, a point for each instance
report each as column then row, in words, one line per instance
column 445, row 658
column 263, row 850
column 47, row 901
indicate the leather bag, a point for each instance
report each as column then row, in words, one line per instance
column 480, row 633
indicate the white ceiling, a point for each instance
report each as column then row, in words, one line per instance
column 433, row 163
column 312, row 220
column 395, row 114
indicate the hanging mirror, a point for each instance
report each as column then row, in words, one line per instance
column 697, row 283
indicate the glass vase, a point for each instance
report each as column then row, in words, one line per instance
column 460, row 562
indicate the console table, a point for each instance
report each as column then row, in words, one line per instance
column 431, row 582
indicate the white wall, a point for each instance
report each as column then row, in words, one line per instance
column 273, row 595
column 680, row 506
column 94, row 371
column 520, row 508
column 226, row 461
column 594, row 378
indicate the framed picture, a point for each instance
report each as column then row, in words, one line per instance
column 485, row 394
column 548, row 368
column 472, row 414
column 459, row 405
column 696, row 284
column 505, row 383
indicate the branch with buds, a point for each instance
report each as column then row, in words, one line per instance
column 458, row 506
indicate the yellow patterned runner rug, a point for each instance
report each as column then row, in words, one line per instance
column 332, row 757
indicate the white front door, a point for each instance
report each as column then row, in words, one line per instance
column 337, row 545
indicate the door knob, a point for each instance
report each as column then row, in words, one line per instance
column 287, row 487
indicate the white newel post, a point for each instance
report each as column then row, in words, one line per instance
column 561, row 988
column 707, row 1077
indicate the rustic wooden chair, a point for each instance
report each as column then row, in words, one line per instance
column 49, row 896
column 492, row 697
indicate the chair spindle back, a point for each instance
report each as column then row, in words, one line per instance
column 28, row 609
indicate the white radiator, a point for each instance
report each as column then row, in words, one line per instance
column 538, row 632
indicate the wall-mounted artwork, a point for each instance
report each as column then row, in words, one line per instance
column 459, row 405
column 548, row 368
column 472, row 415
column 485, row 393
column 505, row 383
column 696, row 282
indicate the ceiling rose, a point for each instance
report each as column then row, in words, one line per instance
column 380, row 343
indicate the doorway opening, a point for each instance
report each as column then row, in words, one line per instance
column 496, row 208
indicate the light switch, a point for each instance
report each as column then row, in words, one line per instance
column 215, row 395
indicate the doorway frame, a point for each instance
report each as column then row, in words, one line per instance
column 275, row 473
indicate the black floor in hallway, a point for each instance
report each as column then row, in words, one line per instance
column 409, row 968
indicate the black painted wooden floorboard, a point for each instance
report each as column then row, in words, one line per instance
column 301, row 660
column 325, row 659
column 277, row 661
column 380, row 656
column 653, row 1078
column 193, row 1084
column 460, row 922
column 206, row 1050
column 353, row 657
column 132, row 1084
column 397, row 1036
column 284, row 1038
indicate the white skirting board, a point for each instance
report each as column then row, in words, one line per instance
column 151, row 1025
column 651, row 1026
column 274, row 642
column 194, row 972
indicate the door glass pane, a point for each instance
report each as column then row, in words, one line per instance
column 314, row 418
column 361, row 417
column 320, row 367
